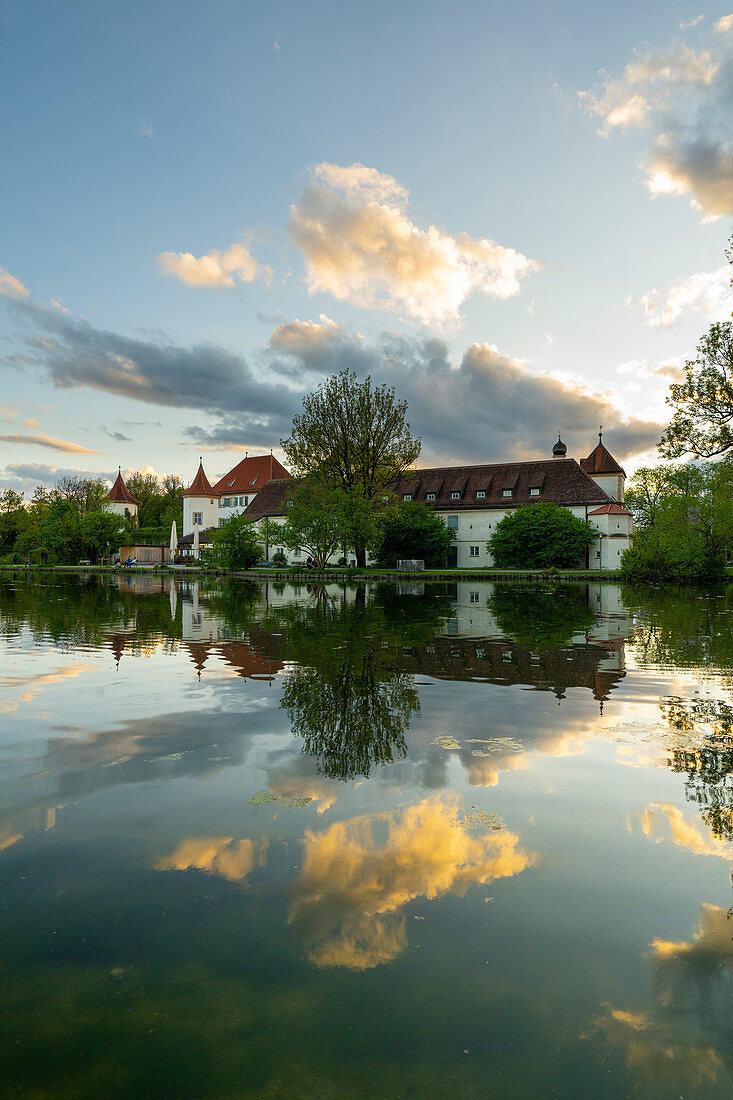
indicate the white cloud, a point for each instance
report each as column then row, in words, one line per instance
column 360, row 245
column 685, row 98
column 12, row 287
column 146, row 128
column 724, row 24
column 686, row 24
column 215, row 269
column 707, row 292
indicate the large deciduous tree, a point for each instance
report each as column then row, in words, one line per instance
column 540, row 536
column 702, row 424
column 353, row 436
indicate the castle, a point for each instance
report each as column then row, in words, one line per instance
column 471, row 499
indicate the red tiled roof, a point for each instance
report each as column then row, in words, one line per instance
column 560, row 481
column 601, row 461
column 249, row 475
column 612, row 509
column 200, row 486
column 119, row 494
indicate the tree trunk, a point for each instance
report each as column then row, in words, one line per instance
column 361, row 557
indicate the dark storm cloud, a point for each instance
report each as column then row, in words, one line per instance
column 205, row 376
column 486, row 407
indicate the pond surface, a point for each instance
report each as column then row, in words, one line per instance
column 420, row 841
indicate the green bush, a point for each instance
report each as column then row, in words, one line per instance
column 540, row 536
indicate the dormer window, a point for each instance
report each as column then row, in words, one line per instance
column 430, row 496
column 230, row 484
column 290, row 504
column 534, row 492
column 455, row 496
column 480, row 494
column 254, row 480
column 407, row 497
column 506, row 492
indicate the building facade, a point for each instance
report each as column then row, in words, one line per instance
column 474, row 499
column 207, row 506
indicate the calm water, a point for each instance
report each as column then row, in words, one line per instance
column 432, row 841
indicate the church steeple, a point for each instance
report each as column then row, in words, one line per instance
column 559, row 450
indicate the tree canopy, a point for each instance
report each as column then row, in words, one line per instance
column 684, row 516
column 413, row 530
column 702, row 423
column 235, row 545
column 540, row 536
column 353, row 436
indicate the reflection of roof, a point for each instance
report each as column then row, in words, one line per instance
column 249, row 475
column 560, row 480
column 119, row 493
column 612, row 509
column 270, row 501
column 248, row 661
column 200, row 486
column 506, row 662
column 601, row 461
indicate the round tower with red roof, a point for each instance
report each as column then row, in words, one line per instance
column 119, row 499
column 200, row 504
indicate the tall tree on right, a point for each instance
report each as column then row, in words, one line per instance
column 352, row 436
column 702, row 423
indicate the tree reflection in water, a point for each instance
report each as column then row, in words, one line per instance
column 542, row 615
column 345, row 695
column 707, row 757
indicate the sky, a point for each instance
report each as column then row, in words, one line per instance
column 515, row 213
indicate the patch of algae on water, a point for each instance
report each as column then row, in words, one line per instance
column 446, row 743
column 483, row 819
column 298, row 801
column 262, row 797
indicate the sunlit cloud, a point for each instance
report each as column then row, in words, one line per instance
column 48, row 441
column 217, row 855
column 681, row 1042
column 360, row 245
column 683, row 97
column 12, row 287
column 359, row 874
column 706, row 292
column 215, row 269
column 661, row 821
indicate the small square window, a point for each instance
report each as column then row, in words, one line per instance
column 451, row 522
column 473, row 597
column 534, row 492
column 455, row 496
column 407, row 497
column 430, row 496
column 480, row 494
column 506, row 492
column 473, row 551
column 290, row 504
column 198, row 518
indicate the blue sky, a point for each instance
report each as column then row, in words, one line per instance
column 516, row 213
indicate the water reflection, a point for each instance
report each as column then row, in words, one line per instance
column 368, row 918
column 684, row 1039
column 359, row 875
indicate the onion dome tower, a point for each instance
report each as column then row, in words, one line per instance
column 559, row 450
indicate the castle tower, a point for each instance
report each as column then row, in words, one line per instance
column 605, row 470
column 200, row 504
column 119, row 500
